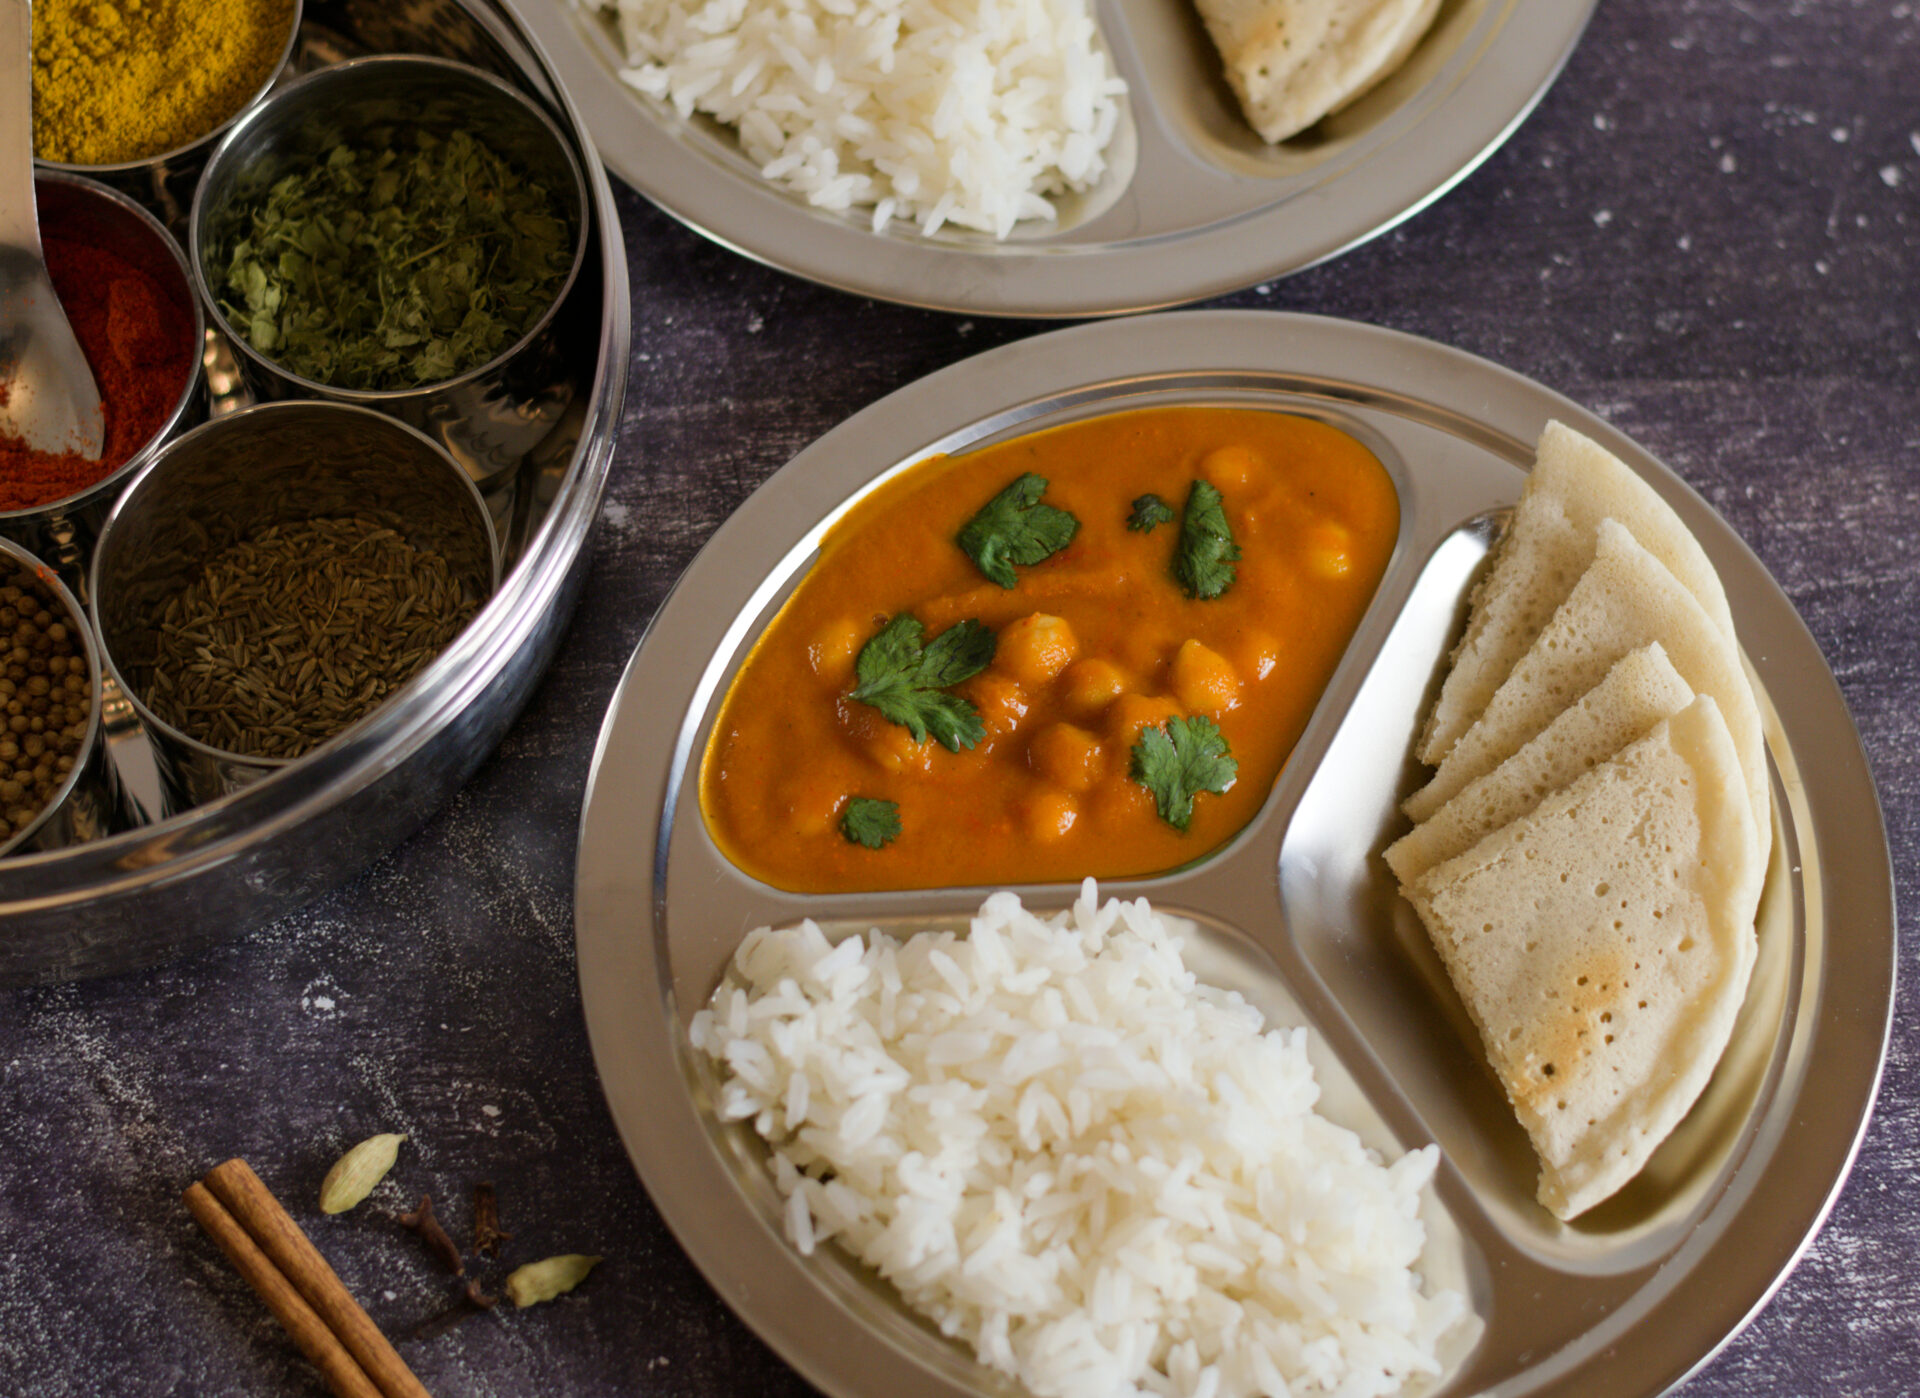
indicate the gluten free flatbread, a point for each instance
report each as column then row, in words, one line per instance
column 1574, row 485
column 1626, row 599
column 1602, row 945
column 1641, row 689
column 1292, row 62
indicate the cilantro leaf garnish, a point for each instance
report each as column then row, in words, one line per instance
column 1149, row 512
column 1014, row 527
column 870, row 822
column 1203, row 563
column 1180, row 760
column 907, row 681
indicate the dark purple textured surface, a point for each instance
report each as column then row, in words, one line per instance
column 1709, row 232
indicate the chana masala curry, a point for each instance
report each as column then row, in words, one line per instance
column 1084, row 651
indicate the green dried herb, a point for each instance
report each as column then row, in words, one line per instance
column 396, row 263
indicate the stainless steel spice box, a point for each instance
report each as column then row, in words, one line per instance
column 163, row 889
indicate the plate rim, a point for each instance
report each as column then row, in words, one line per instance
column 1468, row 122
column 1858, row 871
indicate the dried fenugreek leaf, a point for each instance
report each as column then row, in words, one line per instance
column 404, row 260
column 354, row 1174
column 548, row 1278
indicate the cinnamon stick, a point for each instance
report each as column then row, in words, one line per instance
column 321, row 1347
column 253, row 1206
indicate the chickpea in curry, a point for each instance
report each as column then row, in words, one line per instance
column 1098, row 641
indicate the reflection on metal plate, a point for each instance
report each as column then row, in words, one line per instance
column 1297, row 911
column 1193, row 204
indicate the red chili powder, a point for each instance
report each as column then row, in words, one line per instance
column 137, row 333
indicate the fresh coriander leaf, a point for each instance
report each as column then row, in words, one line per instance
column 1014, row 527
column 869, row 822
column 959, row 653
column 1178, row 761
column 1149, row 512
column 907, row 681
column 895, row 652
column 1203, row 563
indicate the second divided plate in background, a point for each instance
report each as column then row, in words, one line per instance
column 1193, row 204
column 1297, row 912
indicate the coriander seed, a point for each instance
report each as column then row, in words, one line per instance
column 46, row 698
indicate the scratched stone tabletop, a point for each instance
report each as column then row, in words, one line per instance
column 1709, row 233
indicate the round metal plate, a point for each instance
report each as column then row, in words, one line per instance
column 1193, row 204
column 1627, row 1301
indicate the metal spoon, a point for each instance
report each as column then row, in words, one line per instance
column 48, row 398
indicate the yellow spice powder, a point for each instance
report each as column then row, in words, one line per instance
column 119, row 80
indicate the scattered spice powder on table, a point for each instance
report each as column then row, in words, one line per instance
column 137, row 335
column 120, row 82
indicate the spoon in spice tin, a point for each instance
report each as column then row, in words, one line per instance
column 48, row 398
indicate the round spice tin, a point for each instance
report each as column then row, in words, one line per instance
column 237, row 861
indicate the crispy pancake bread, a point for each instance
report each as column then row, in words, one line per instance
column 1625, row 600
column 1641, row 689
column 1602, row 945
column 1574, row 485
column 1293, row 61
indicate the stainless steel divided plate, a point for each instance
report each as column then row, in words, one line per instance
column 1298, row 911
column 1193, row 204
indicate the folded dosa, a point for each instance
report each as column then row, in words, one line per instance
column 1602, row 945
column 1574, row 485
column 1291, row 62
column 1626, row 599
column 1641, row 689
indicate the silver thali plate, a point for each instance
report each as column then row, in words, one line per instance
column 1297, row 912
column 1193, row 203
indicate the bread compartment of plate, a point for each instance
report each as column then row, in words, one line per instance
column 1171, row 63
column 1362, row 940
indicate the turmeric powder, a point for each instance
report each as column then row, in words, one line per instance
column 120, row 80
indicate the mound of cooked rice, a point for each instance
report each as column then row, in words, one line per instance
column 1101, row 1175
column 968, row 112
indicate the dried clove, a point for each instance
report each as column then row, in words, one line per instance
column 422, row 1221
column 479, row 1297
column 487, row 1232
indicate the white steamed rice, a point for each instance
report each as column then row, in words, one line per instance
column 1101, row 1175
column 968, row 112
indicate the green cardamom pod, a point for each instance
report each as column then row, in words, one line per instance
column 549, row 1277
column 354, row 1174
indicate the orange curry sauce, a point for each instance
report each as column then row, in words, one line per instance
column 1047, row 795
